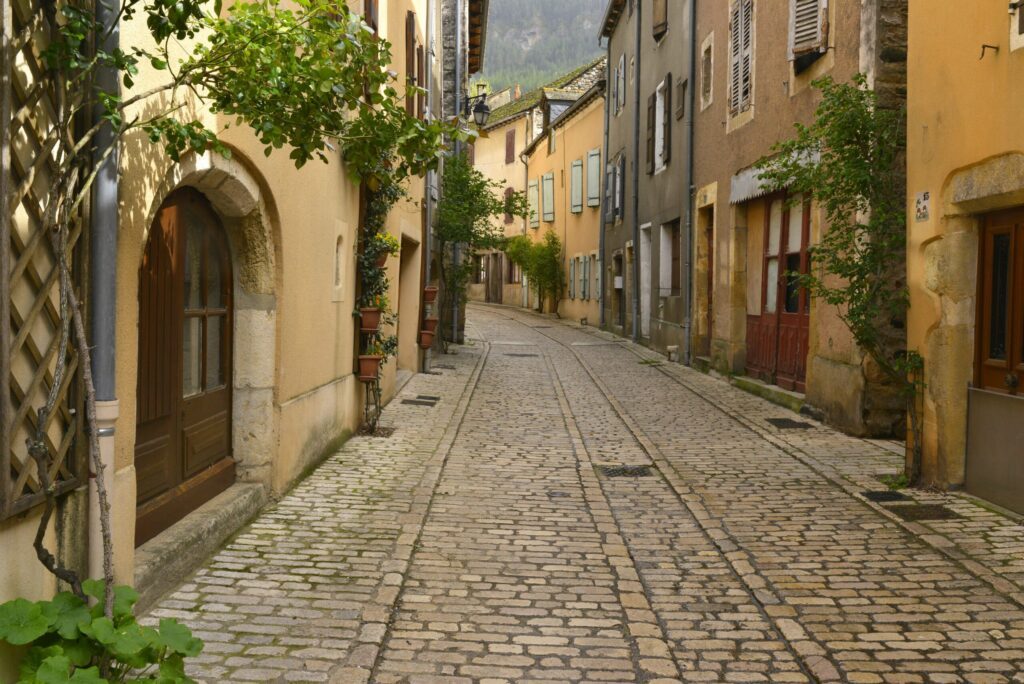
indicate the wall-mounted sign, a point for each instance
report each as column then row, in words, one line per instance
column 923, row 206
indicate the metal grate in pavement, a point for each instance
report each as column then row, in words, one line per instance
column 885, row 496
column 443, row 366
column 626, row 471
column 427, row 397
column 420, row 402
column 554, row 494
column 789, row 424
column 915, row 512
column 523, row 356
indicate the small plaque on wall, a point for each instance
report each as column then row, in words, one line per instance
column 923, row 207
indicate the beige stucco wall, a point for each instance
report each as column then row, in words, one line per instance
column 580, row 233
column 966, row 148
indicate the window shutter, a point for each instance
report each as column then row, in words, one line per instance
column 651, row 103
column 660, row 18
column 509, row 218
column 609, row 191
column 735, row 42
column 747, row 61
column 572, row 278
column 532, row 196
column 666, row 121
column 510, row 146
column 621, row 101
column 576, row 181
column 620, row 183
column 421, row 81
column 806, row 27
column 410, row 61
column 594, row 178
column 548, row 196
column 586, row 277
column 613, row 85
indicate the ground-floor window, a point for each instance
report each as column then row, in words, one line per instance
column 1000, row 329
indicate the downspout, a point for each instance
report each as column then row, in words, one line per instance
column 604, row 176
column 689, row 189
column 428, row 190
column 103, row 280
column 638, row 14
column 458, row 150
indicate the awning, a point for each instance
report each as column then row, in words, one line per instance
column 747, row 184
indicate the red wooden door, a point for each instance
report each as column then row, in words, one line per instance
column 1000, row 329
column 777, row 338
column 183, row 425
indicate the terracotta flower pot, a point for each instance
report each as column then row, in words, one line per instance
column 382, row 260
column 426, row 339
column 430, row 294
column 369, row 319
column 430, row 323
column 369, row 366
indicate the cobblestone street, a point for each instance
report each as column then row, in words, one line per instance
column 576, row 509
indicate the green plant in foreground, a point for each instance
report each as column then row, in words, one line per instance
column 70, row 641
column 894, row 482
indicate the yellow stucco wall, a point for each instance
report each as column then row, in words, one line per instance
column 580, row 233
column 964, row 148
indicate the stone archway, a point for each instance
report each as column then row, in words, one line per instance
column 245, row 207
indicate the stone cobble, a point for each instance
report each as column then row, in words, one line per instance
column 484, row 542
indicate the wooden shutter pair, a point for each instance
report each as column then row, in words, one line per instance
column 651, row 108
column 410, row 62
column 741, row 56
column 510, row 146
column 808, row 27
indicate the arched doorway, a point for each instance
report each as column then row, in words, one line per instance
column 183, row 450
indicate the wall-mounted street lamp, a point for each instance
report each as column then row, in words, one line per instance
column 477, row 107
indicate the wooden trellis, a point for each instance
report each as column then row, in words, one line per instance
column 29, row 276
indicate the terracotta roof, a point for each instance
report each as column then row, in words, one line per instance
column 578, row 81
column 595, row 92
column 477, row 34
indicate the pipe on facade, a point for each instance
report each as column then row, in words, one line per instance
column 458, row 150
column 604, row 195
column 428, row 184
column 689, row 190
column 103, row 279
column 638, row 13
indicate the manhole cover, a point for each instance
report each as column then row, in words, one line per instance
column 882, row 497
column 427, row 397
column 523, row 356
column 419, row 402
column 914, row 512
column 444, row 366
column 789, row 424
column 626, row 471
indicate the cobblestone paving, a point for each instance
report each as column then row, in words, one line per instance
column 484, row 542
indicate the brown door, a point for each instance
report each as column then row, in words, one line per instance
column 183, row 425
column 1000, row 344
column 777, row 339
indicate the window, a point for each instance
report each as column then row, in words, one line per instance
column 620, row 85
column 509, row 218
column 707, row 71
column 410, row 63
column 510, row 146
column 572, row 278
column 620, row 188
column 479, row 275
column 659, row 127
column 670, row 271
column 532, row 200
column 999, row 348
column 741, row 56
column 808, row 32
column 515, row 274
column 576, row 186
column 595, row 273
column 615, row 176
column 584, row 269
column 548, row 196
column 594, row 178
column 1016, row 27
column 681, row 86
column 660, row 21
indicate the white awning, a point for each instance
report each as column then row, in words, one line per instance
column 747, row 185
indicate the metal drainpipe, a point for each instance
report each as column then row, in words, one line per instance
column 458, row 150
column 103, row 285
column 689, row 194
column 604, row 175
column 638, row 14
column 428, row 70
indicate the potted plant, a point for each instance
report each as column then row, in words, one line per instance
column 369, row 363
column 430, row 323
column 426, row 339
column 430, row 294
column 386, row 245
column 370, row 314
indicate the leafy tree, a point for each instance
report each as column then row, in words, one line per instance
column 465, row 216
column 543, row 265
column 850, row 160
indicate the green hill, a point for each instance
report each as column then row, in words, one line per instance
column 531, row 42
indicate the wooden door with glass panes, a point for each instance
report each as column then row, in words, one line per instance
column 183, row 419
column 1000, row 330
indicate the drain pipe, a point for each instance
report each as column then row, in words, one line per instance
column 604, row 174
column 638, row 14
column 458, row 150
column 428, row 186
column 689, row 189
column 103, row 283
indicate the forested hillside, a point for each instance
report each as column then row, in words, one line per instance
column 531, row 42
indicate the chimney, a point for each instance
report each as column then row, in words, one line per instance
column 518, row 93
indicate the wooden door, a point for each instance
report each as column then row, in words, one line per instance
column 183, row 425
column 777, row 339
column 1000, row 330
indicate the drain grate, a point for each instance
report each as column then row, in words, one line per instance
column 789, row 424
column 557, row 495
column 419, row 402
column 427, row 397
column 443, row 366
column 915, row 512
column 885, row 496
column 626, row 471
column 523, row 356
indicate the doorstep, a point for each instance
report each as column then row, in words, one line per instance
column 166, row 560
column 794, row 401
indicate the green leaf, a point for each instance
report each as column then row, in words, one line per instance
column 69, row 612
column 34, row 658
column 22, row 622
column 178, row 638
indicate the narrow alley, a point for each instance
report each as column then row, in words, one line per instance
column 555, row 504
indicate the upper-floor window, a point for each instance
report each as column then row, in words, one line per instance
column 510, row 146
column 707, row 71
column 547, row 183
column 618, row 86
column 808, row 32
column 576, row 186
column 741, row 56
column 533, row 200
column 659, row 126
column 1016, row 25
column 659, row 25
column 594, row 178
